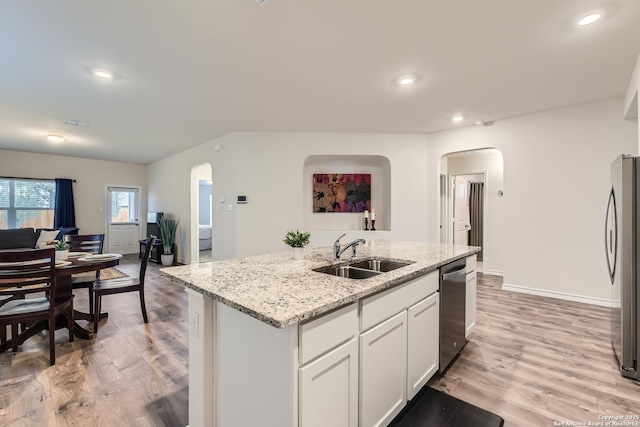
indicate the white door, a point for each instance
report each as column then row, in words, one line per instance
column 383, row 371
column 461, row 218
column 329, row 389
column 123, row 224
column 423, row 339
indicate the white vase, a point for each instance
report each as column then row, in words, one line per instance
column 166, row 259
column 62, row 255
column 298, row 253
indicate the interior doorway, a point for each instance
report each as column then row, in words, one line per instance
column 471, row 211
column 201, row 214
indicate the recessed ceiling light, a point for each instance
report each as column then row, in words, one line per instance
column 55, row 138
column 457, row 118
column 407, row 80
column 103, row 74
column 589, row 19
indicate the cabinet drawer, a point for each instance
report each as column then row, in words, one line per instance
column 327, row 332
column 382, row 306
column 471, row 263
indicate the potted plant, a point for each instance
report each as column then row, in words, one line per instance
column 167, row 229
column 62, row 250
column 297, row 240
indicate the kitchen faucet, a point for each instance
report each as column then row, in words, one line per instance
column 337, row 251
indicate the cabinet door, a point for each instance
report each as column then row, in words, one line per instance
column 383, row 371
column 423, row 338
column 470, row 304
column 329, row 389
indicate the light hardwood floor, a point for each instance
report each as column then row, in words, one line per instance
column 535, row 360
column 531, row 360
column 132, row 374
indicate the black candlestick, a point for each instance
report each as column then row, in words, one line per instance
column 373, row 225
column 366, row 224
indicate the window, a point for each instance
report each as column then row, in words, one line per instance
column 123, row 205
column 26, row 203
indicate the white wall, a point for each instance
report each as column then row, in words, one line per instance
column 268, row 168
column 632, row 98
column 92, row 178
column 491, row 162
column 556, row 181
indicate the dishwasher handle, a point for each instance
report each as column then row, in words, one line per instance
column 455, row 273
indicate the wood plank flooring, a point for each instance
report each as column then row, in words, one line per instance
column 532, row 360
column 132, row 374
column 535, row 361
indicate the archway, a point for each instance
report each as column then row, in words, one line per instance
column 485, row 166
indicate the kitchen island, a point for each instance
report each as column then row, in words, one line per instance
column 274, row 343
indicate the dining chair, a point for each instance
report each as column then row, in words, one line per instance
column 23, row 274
column 90, row 243
column 122, row 285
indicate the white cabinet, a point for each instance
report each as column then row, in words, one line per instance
column 383, row 371
column 328, row 373
column 471, row 296
column 329, row 389
column 422, row 343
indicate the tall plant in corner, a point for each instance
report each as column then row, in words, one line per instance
column 167, row 229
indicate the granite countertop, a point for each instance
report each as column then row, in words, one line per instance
column 281, row 291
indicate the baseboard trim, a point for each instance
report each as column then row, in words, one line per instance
column 559, row 295
column 492, row 272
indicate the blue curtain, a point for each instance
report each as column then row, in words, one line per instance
column 65, row 212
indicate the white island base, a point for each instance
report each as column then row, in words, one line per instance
column 273, row 343
column 242, row 372
column 357, row 365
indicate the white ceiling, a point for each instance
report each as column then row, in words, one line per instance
column 190, row 71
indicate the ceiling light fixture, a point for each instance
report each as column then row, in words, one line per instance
column 103, row 74
column 589, row 19
column 458, row 118
column 479, row 122
column 407, row 80
column 55, row 138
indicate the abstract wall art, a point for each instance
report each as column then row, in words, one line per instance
column 337, row 192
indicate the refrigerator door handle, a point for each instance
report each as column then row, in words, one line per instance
column 611, row 235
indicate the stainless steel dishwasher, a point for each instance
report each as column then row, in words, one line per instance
column 453, row 290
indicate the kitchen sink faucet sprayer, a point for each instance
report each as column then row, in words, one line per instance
column 337, row 251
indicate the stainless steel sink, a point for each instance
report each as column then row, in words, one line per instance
column 362, row 269
column 348, row 272
column 379, row 265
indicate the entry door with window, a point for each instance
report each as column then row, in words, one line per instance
column 123, row 227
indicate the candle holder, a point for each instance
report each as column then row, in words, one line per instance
column 373, row 225
column 366, row 224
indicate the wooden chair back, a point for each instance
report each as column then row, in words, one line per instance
column 26, row 272
column 91, row 243
column 145, row 259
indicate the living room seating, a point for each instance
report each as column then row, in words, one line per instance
column 23, row 274
column 29, row 238
column 90, row 243
column 121, row 285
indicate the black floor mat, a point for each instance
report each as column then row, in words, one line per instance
column 436, row 409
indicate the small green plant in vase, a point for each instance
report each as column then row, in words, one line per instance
column 168, row 229
column 62, row 250
column 297, row 240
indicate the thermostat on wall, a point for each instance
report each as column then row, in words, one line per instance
column 242, row 200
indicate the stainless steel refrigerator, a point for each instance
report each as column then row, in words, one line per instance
column 622, row 241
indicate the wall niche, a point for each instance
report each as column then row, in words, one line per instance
column 380, row 169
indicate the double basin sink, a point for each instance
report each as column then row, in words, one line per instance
column 362, row 269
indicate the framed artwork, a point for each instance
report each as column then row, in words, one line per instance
column 337, row 192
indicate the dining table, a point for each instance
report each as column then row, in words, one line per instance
column 64, row 270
